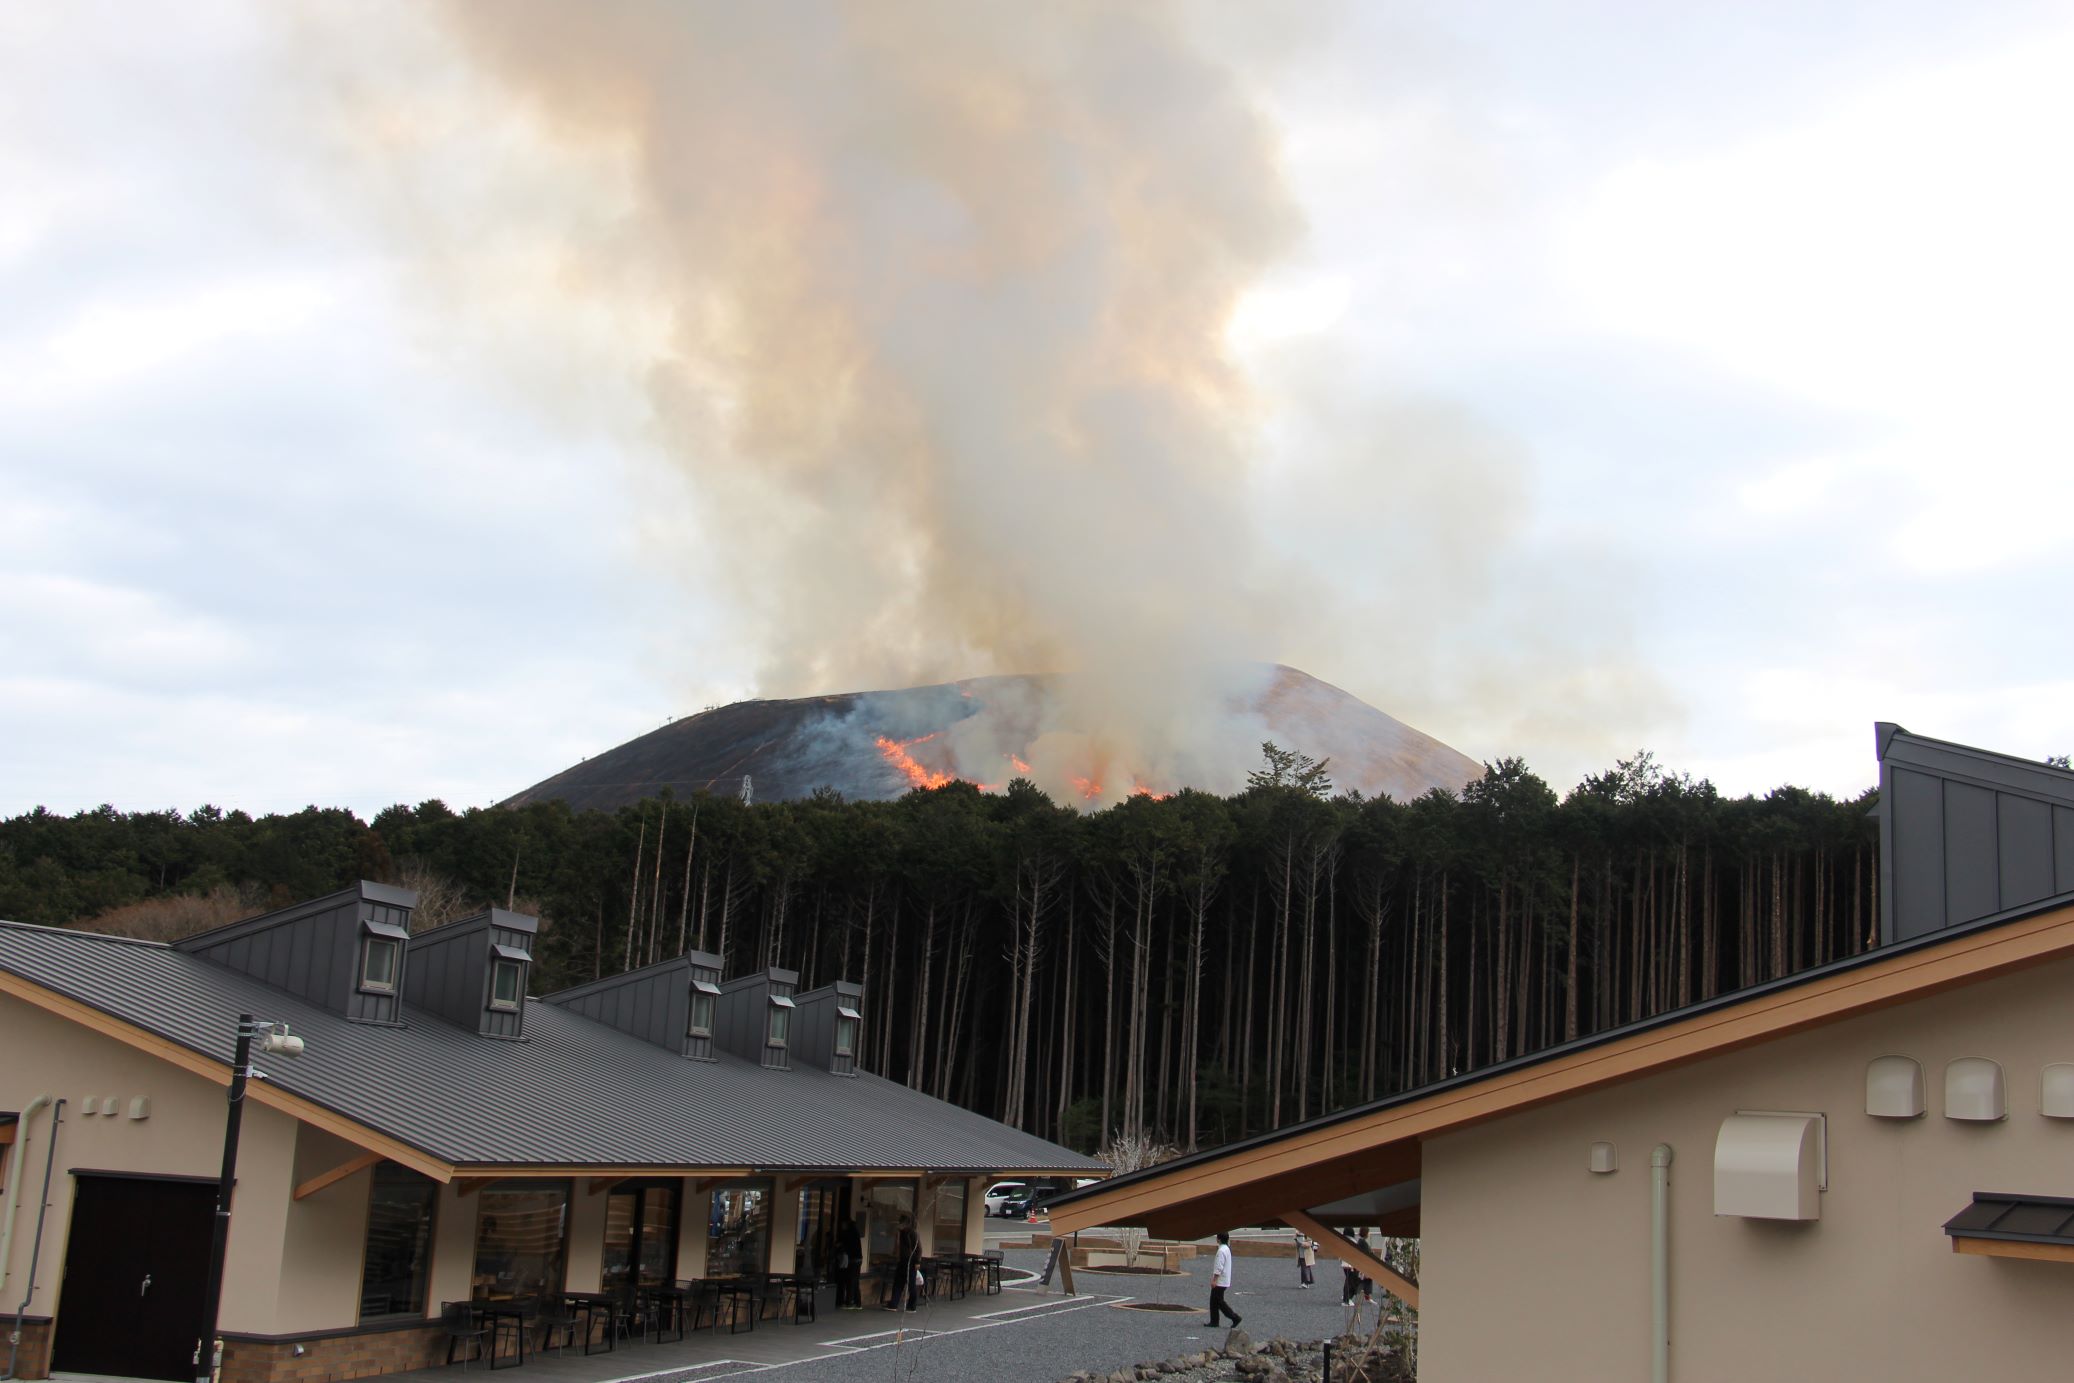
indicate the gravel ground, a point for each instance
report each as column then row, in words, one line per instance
column 1059, row 1335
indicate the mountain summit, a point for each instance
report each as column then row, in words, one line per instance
column 1065, row 733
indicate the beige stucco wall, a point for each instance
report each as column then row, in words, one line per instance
column 182, row 1137
column 1535, row 1268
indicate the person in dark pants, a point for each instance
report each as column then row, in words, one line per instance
column 907, row 1261
column 1220, row 1282
column 849, row 1262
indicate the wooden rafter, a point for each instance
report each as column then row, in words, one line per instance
column 2014, row 1248
column 1350, row 1253
column 470, row 1185
column 600, row 1185
column 336, row 1174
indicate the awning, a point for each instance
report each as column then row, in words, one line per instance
column 782, row 1002
column 511, row 953
column 387, row 929
column 705, row 987
column 2002, row 1225
column 842, row 1012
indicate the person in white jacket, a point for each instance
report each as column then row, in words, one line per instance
column 1220, row 1281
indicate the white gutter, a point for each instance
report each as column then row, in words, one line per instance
column 1660, row 1263
column 14, row 1180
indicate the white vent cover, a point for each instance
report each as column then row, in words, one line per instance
column 1973, row 1090
column 1770, row 1166
column 1894, row 1088
column 2056, row 1101
column 1604, row 1158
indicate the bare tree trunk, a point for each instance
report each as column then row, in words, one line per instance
column 634, row 904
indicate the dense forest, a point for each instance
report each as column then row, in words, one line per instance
column 1189, row 969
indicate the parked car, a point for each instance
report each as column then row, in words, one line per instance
column 1001, row 1192
column 1042, row 1194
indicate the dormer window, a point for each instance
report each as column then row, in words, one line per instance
column 507, row 977
column 381, row 956
column 704, row 997
column 846, row 1023
column 778, row 1028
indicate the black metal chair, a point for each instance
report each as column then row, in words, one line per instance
column 555, row 1314
column 992, row 1259
column 701, row 1296
column 457, row 1321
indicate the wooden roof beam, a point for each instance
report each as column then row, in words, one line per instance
column 1351, row 1254
column 337, row 1174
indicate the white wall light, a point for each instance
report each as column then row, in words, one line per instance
column 1973, row 1090
column 1894, row 1088
column 2056, row 1100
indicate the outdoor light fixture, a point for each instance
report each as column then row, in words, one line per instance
column 274, row 1039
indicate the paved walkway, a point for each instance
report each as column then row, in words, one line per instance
column 1024, row 1335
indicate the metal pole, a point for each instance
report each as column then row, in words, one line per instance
column 1660, row 1263
column 208, row 1350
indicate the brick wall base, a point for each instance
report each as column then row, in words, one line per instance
column 32, row 1352
column 333, row 1358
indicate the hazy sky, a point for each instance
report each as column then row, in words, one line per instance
column 1687, row 377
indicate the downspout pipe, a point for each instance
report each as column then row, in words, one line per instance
column 14, row 1182
column 50, row 1155
column 1660, row 1263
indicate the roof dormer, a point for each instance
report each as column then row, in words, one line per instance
column 672, row 1004
column 830, row 1027
column 473, row 973
column 755, row 1013
column 346, row 951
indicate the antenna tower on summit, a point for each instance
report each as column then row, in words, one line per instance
column 748, row 791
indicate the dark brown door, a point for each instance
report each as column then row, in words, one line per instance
column 131, row 1304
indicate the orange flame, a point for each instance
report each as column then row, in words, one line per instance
column 895, row 753
column 1020, row 766
column 1089, row 788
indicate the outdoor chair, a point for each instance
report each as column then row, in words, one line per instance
column 556, row 1315
column 703, row 1296
column 992, row 1261
column 457, row 1321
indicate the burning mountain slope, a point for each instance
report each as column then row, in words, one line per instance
column 989, row 730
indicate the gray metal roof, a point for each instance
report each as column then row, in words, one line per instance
column 574, row 1092
column 2023, row 1219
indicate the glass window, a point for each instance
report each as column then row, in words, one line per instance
column 738, row 1229
column 507, row 980
column 701, row 1013
column 885, row 1203
column 846, row 1037
column 780, row 1024
column 378, row 964
column 814, row 1248
column 949, row 1235
column 521, row 1239
column 641, row 1235
column 399, row 1242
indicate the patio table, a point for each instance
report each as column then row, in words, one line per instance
column 594, row 1305
column 494, row 1314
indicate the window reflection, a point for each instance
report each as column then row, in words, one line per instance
column 949, row 1205
column 641, row 1235
column 521, row 1239
column 885, row 1203
column 738, row 1229
column 399, row 1238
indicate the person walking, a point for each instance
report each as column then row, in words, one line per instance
column 907, row 1262
column 849, row 1262
column 1367, row 1283
column 1220, row 1282
column 1306, row 1260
